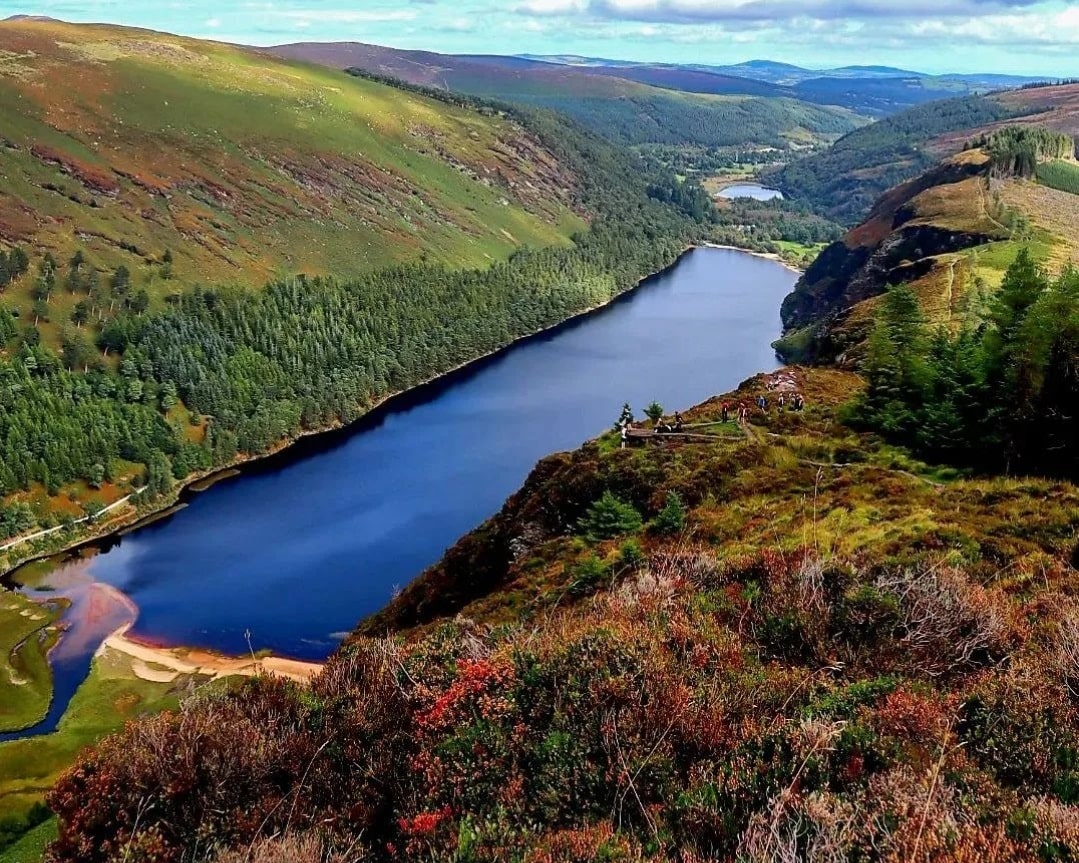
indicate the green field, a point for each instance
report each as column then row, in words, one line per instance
column 31, row 847
column 26, row 633
column 110, row 696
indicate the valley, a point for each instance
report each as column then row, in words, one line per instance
column 321, row 539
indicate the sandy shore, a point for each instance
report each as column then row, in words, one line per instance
column 768, row 256
column 163, row 665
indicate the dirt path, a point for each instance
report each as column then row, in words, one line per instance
column 163, row 665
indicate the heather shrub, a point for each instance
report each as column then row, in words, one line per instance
column 655, row 721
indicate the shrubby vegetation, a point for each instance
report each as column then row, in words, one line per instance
column 726, row 712
column 844, row 181
column 839, row 654
column 1003, row 396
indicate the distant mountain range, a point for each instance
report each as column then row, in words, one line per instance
column 870, row 91
column 787, row 74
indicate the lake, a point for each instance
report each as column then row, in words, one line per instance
column 750, row 190
column 296, row 549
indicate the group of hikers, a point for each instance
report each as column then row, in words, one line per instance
column 795, row 402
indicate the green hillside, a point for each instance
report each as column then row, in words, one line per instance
column 845, row 180
column 135, row 392
column 125, row 144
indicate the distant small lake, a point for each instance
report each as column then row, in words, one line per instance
column 750, row 190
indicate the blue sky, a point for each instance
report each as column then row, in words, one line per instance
column 1015, row 36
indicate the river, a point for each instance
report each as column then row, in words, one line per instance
column 296, row 549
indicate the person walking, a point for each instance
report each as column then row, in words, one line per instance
column 625, row 434
column 726, row 412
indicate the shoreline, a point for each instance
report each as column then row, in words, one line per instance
column 125, row 522
column 165, row 664
column 767, row 256
column 160, row 661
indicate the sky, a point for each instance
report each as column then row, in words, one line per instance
column 1031, row 37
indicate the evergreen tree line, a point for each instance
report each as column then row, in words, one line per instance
column 1002, row 396
column 306, row 352
column 1016, row 151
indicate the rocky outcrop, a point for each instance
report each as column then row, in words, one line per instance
column 939, row 213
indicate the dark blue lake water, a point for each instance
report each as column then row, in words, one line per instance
column 298, row 548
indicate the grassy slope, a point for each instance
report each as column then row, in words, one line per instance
column 31, row 848
column 26, row 633
column 245, row 165
column 109, row 697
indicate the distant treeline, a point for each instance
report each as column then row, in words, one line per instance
column 306, row 353
column 685, row 120
column 761, row 224
column 1040, row 85
column 845, row 181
